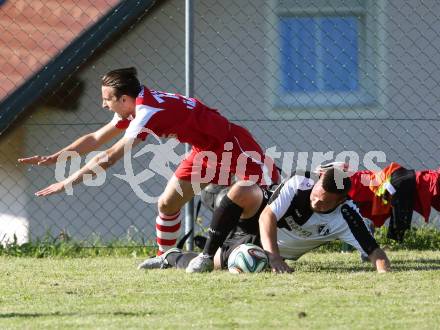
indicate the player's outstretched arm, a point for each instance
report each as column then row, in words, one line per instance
column 268, row 234
column 100, row 162
column 82, row 145
column 380, row 260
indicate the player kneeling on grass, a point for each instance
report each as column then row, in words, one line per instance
column 297, row 216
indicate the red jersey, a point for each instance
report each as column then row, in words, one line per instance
column 374, row 207
column 370, row 205
column 190, row 121
column 428, row 192
column 173, row 115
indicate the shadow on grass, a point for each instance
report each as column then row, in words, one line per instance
column 399, row 265
column 35, row 315
column 415, row 264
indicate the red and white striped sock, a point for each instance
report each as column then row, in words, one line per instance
column 167, row 230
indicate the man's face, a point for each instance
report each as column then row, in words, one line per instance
column 122, row 106
column 322, row 201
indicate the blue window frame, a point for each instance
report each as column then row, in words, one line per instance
column 319, row 54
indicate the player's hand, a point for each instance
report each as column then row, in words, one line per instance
column 39, row 160
column 52, row 189
column 380, row 260
column 382, row 266
column 279, row 265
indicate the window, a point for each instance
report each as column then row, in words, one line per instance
column 325, row 54
column 319, row 54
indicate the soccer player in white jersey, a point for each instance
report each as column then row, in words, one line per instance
column 139, row 111
column 300, row 215
column 308, row 214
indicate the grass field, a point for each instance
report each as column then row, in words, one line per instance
column 327, row 290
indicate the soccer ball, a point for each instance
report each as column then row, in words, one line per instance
column 247, row 258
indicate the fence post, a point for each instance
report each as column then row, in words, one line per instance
column 189, row 91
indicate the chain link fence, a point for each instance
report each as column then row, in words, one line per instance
column 315, row 79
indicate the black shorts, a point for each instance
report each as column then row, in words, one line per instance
column 235, row 239
column 247, row 231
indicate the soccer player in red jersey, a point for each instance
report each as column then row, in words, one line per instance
column 219, row 147
column 394, row 192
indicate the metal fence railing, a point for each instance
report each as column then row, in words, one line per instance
column 312, row 80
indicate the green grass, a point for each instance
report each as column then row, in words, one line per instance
column 327, row 290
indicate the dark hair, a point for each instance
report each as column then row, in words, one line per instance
column 124, row 81
column 336, row 181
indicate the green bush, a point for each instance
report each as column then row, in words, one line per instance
column 56, row 247
column 422, row 238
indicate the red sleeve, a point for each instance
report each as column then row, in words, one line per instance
column 142, row 136
column 122, row 124
column 427, row 192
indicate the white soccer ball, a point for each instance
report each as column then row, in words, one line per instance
column 247, row 258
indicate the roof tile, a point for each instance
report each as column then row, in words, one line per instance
column 32, row 32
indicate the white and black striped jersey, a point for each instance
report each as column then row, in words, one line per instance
column 301, row 230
